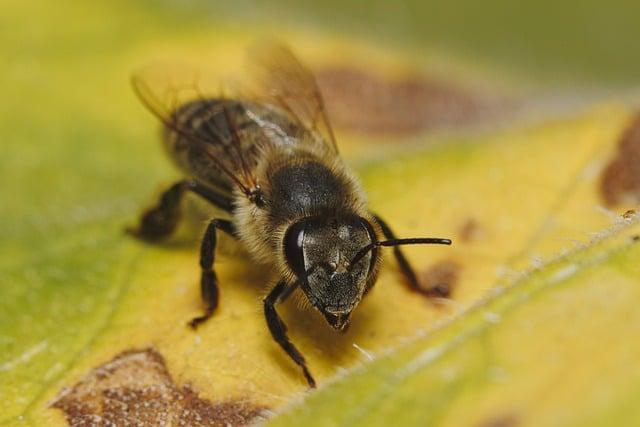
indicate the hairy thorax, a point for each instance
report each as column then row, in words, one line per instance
column 296, row 183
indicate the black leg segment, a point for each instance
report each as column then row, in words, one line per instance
column 279, row 330
column 405, row 267
column 161, row 220
column 209, row 280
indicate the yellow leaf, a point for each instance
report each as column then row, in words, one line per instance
column 558, row 345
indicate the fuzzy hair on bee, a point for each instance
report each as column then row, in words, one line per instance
column 270, row 162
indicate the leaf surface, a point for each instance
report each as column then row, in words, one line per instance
column 78, row 298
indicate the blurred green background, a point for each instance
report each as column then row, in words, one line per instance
column 566, row 42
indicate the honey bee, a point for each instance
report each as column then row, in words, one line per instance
column 270, row 161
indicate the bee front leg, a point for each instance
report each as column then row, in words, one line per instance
column 208, row 279
column 279, row 330
column 160, row 221
column 406, row 268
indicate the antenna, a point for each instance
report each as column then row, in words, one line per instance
column 397, row 242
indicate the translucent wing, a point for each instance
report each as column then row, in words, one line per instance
column 171, row 92
column 281, row 80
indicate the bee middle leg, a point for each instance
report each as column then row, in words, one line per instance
column 405, row 267
column 160, row 221
column 279, row 330
column 208, row 278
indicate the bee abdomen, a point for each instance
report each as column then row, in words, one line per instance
column 212, row 122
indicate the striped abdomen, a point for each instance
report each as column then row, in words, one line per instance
column 233, row 132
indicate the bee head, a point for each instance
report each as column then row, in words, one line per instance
column 320, row 251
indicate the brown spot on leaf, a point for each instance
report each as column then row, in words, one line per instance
column 630, row 214
column 441, row 278
column 470, row 230
column 135, row 388
column 620, row 181
column 360, row 100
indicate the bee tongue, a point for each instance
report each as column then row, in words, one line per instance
column 339, row 322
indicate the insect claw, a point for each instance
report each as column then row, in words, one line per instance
column 196, row 321
column 307, row 375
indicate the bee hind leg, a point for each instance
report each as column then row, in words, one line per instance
column 407, row 270
column 208, row 279
column 161, row 220
column 279, row 330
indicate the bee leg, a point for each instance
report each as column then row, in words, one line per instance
column 279, row 330
column 208, row 279
column 161, row 220
column 405, row 267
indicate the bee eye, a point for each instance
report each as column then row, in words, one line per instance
column 293, row 250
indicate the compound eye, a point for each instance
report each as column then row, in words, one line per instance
column 293, row 250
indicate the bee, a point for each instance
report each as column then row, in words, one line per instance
column 270, row 161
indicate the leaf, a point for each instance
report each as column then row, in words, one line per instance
column 80, row 299
column 557, row 345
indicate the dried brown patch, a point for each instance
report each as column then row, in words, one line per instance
column 620, row 181
column 135, row 388
column 440, row 279
column 505, row 420
column 470, row 230
column 362, row 101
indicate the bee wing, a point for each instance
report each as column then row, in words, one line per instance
column 280, row 79
column 164, row 88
